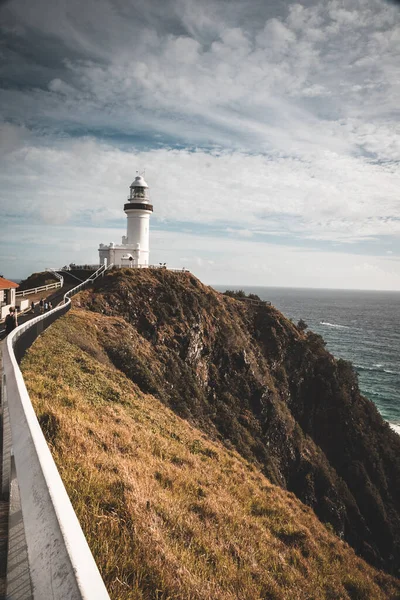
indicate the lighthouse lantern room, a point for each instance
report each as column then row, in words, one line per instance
column 134, row 250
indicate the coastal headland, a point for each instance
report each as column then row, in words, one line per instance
column 213, row 449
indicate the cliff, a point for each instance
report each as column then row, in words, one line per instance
column 246, row 385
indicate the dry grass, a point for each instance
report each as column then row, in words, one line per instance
column 167, row 513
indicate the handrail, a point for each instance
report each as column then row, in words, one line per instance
column 79, row 267
column 41, row 288
column 61, row 565
column 92, row 277
column 60, row 277
column 75, row 277
column 154, row 267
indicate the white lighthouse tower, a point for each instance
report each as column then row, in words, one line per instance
column 134, row 250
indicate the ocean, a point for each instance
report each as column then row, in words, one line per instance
column 360, row 326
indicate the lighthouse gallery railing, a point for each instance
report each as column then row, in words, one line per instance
column 48, row 555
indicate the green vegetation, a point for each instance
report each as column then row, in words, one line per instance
column 302, row 325
column 169, row 513
column 241, row 295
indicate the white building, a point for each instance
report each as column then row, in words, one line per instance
column 134, row 249
column 7, row 296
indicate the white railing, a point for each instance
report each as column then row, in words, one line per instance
column 176, row 269
column 90, row 279
column 54, row 272
column 42, row 288
column 59, row 563
column 79, row 267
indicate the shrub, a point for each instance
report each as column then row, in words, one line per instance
column 302, row 325
column 235, row 293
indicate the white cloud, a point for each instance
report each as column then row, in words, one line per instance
column 244, row 87
column 298, row 106
column 213, row 259
column 333, row 197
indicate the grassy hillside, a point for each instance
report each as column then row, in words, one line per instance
column 248, row 377
column 168, row 513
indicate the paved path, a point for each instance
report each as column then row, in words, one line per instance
column 21, row 319
column 54, row 297
column 4, row 508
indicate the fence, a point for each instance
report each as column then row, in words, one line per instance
column 127, row 266
column 48, row 556
column 37, row 290
column 74, row 267
column 176, row 269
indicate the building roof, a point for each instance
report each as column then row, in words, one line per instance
column 6, row 284
column 139, row 182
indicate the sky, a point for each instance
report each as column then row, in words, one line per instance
column 268, row 132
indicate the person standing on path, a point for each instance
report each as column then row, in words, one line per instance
column 41, row 304
column 11, row 321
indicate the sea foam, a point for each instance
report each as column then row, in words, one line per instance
column 395, row 428
column 334, row 325
column 377, row 368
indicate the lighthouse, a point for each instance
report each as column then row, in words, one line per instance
column 134, row 249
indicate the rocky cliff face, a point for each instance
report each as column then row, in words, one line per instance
column 247, row 376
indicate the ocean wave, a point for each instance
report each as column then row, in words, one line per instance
column 378, row 368
column 365, row 368
column 395, row 428
column 334, row 325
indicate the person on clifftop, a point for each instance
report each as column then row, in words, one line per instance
column 11, row 320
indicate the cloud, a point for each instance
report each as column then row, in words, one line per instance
column 214, row 259
column 333, row 198
column 247, row 85
column 254, row 120
column 255, row 263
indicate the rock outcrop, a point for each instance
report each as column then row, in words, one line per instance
column 247, row 376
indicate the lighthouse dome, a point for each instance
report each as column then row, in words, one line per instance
column 139, row 182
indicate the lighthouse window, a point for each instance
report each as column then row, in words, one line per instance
column 139, row 193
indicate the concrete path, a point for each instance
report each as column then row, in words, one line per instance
column 21, row 319
column 4, row 511
column 54, row 297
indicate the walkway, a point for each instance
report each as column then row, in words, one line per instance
column 4, row 508
column 49, row 531
column 54, row 297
